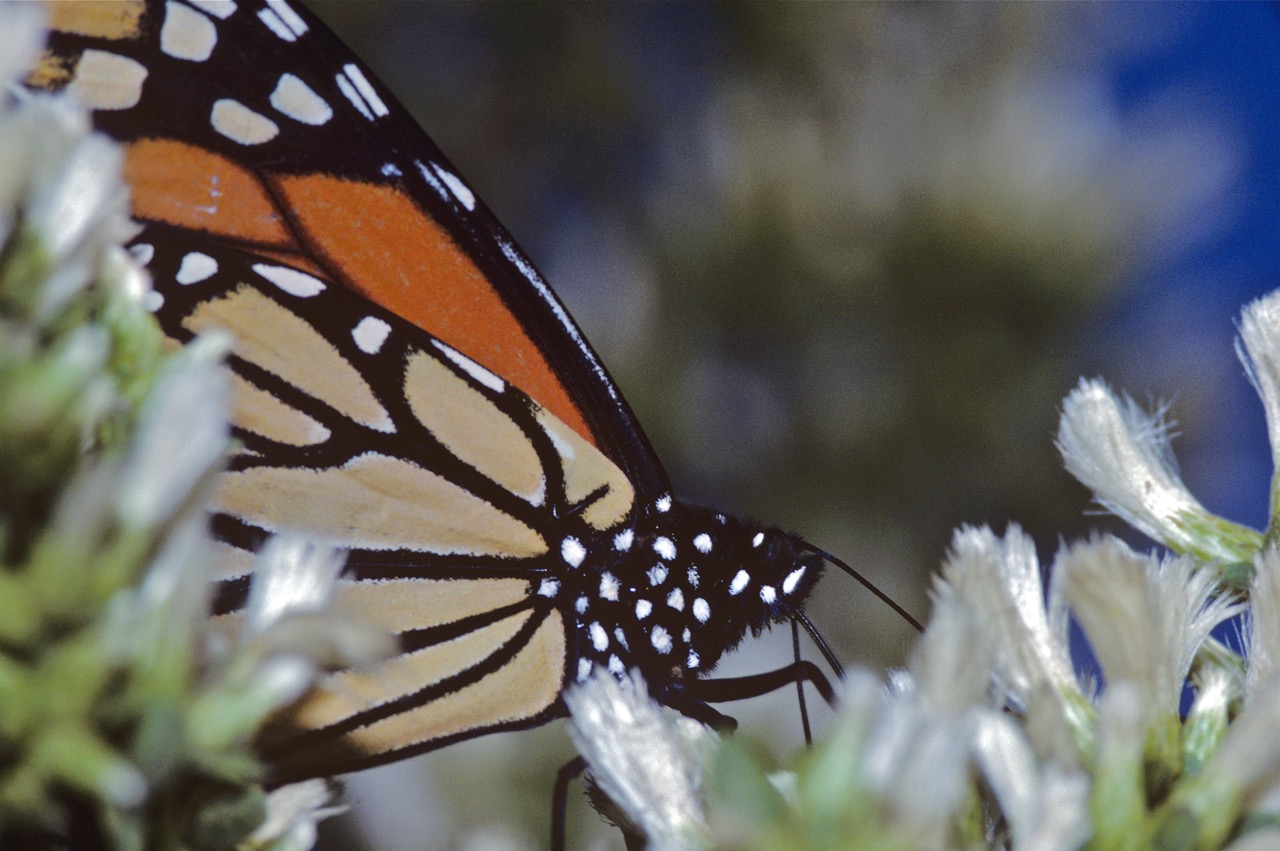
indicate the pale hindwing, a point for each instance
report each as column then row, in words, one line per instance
column 473, row 428
column 586, row 471
column 375, row 502
column 258, row 411
column 514, row 694
column 397, row 605
column 285, row 344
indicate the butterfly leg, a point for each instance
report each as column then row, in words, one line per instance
column 560, row 799
column 727, row 689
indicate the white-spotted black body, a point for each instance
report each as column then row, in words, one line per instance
column 673, row 592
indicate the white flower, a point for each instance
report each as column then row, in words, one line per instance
column 1145, row 617
column 293, row 576
column 999, row 579
column 293, row 812
column 1262, row 632
column 182, row 436
column 1122, row 454
column 1259, row 350
column 950, row 667
column 1242, row 774
column 647, row 759
column 1046, row 805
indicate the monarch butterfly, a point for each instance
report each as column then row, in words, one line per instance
column 407, row 387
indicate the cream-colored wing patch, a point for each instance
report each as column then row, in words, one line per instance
column 117, row 20
column 286, row 345
column 586, row 469
column 109, row 81
column 375, row 502
column 396, row 605
column 258, row 411
column 231, row 562
column 472, row 428
column 519, row 690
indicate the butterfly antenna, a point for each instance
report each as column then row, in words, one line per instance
column 867, row 583
column 804, row 711
column 799, row 617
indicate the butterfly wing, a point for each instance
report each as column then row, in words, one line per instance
column 406, row 386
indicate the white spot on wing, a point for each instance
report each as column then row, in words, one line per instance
column 549, row 587
column 622, row 540
column 692, row 576
column 702, row 543
column 349, row 92
column 664, row 547
column 676, row 600
column 692, row 661
column 580, row 605
column 299, row 101
column 370, row 333
column 608, row 586
column 429, row 176
column 470, row 367
column 196, row 267
column 104, row 80
column 366, row 91
column 615, row 665
column 740, row 580
column 584, row 669
column 621, row 637
column 143, row 252
column 288, row 18
column 220, row 9
column 241, row 124
column 643, row 608
column 391, row 170
column 572, row 551
column 459, row 189
column 663, row 504
column 186, row 34
column 657, row 574
column 277, row 26
column 290, row 280
column 660, row 639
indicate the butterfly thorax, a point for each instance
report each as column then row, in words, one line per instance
column 672, row 592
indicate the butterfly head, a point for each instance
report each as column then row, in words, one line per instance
column 750, row 577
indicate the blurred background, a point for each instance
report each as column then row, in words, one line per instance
column 845, row 260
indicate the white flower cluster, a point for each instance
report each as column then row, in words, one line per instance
column 993, row 737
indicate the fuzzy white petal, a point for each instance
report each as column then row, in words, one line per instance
column 292, row 576
column 1046, row 808
column 647, row 759
column 1248, row 762
column 950, row 665
column 999, row 579
column 1145, row 618
column 1122, row 454
column 293, row 812
column 182, row 435
column 1259, row 350
column 1263, row 626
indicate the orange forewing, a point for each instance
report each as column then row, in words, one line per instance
column 385, row 247
column 192, row 188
